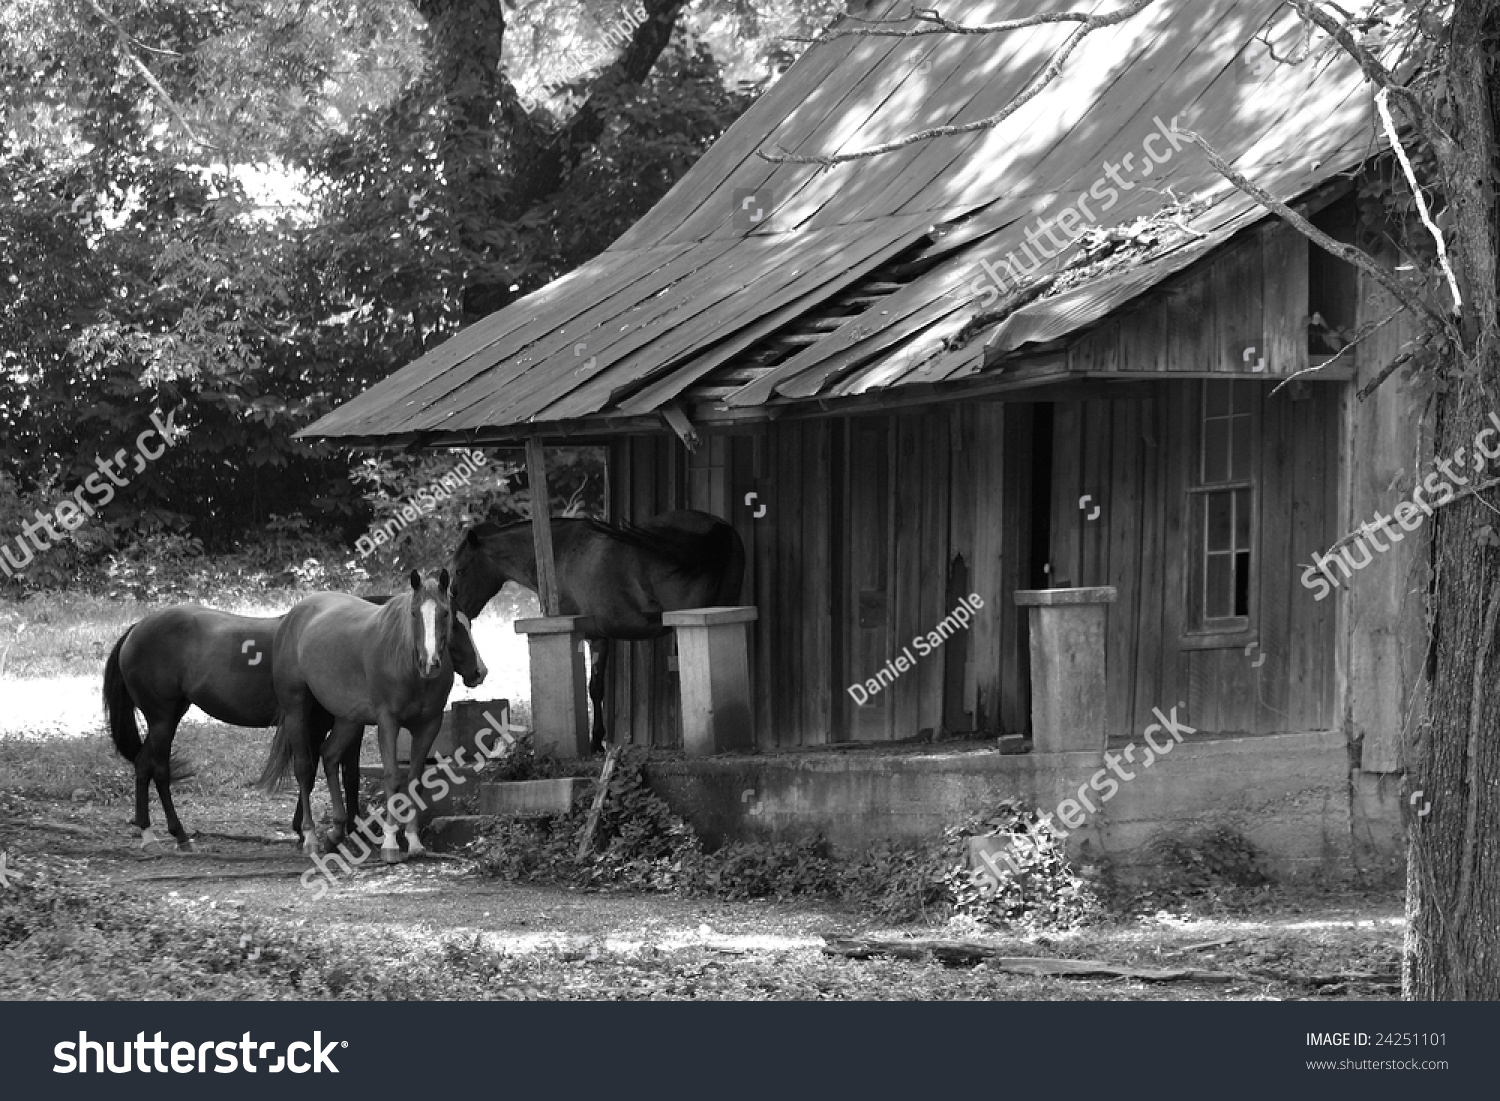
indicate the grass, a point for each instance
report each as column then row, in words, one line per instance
column 56, row 635
column 71, row 634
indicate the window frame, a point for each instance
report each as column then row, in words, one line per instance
column 1200, row 631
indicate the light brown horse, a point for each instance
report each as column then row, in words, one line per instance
column 364, row 665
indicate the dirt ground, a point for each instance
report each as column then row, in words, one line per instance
column 237, row 914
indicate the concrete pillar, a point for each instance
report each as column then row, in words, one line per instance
column 1068, row 687
column 713, row 655
column 559, row 683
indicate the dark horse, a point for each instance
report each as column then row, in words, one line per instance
column 221, row 662
column 387, row 666
column 624, row 575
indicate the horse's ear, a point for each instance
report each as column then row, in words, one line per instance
column 472, row 538
column 443, row 581
column 416, row 581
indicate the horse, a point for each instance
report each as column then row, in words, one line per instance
column 219, row 661
column 467, row 664
column 388, row 666
column 623, row 575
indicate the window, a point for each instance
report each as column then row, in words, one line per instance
column 1221, row 500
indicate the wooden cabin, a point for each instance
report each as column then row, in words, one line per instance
column 1158, row 400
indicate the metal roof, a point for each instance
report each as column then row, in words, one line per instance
column 752, row 285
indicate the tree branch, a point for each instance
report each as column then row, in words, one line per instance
column 1374, row 71
column 125, row 40
column 1381, row 105
column 1044, row 78
column 943, row 26
column 1353, row 340
column 1347, row 253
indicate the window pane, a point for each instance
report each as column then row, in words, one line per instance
column 1215, row 451
column 1216, row 399
column 1242, row 583
column 1240, row 430
column 1220, row 520
column 1219, row 581
column 1242, row 519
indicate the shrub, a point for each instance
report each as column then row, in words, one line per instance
column 1046, row 891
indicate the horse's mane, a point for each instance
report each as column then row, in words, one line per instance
column 685, row 550
column 393, row 626
column 487, row 528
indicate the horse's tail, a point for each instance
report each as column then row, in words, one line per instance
column 277, row 760
column 119, row 705
column 119, row 712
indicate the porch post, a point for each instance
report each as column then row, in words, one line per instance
column 1068, row 686
column 713, row 657
column 559, row 683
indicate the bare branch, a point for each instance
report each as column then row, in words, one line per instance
column 1353, row 340
column 1347, row 253
column 125, row 45
column 1370, row 65
column 1368, row 528
column 887, row 28
column 1044, row 78
column 1385, row 372
column 1383, row 108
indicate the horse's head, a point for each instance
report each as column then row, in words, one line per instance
column 432, row 622
column 466, row 660
column 477, row 575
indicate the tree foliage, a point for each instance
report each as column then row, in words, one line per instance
column 248, row 212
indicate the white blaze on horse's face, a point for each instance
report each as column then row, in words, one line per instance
column 430, row 658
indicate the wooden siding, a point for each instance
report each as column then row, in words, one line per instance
column 1241, row 310
column 874, row 528
column 1383, row 633
column 1133, row 456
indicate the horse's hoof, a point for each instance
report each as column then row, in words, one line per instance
column 392, row 856
column 185, row 845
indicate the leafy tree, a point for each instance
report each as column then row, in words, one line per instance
column 248, row 212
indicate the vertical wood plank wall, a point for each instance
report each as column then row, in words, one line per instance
column 1133, row 457
column 1383, row 633
column 874, row 527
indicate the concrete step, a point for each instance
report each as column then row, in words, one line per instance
column 531, row 798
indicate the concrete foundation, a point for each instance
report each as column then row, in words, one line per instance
column 1289, row 794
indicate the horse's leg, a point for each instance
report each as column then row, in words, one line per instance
column 389, row 727
column 599, row 652
column 295, row 720
column 349, row 767
column 155, row 763
column 421, row 745
column 335, row 750
column 143, row 773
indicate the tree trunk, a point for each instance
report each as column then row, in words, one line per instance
column 1453, row 877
